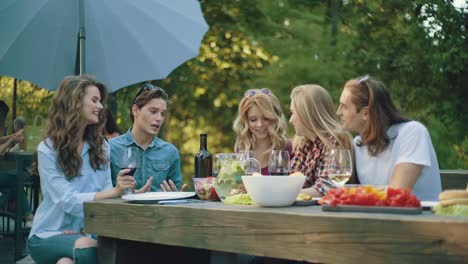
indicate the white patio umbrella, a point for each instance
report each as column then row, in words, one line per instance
column 120, row 42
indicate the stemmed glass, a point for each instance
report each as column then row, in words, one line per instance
column 278, row 164
column 249, row 163
column 341, row 166
column 130, row 160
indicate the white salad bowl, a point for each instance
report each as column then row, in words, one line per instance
column 273, row 191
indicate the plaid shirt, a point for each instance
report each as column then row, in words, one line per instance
column 313, row 159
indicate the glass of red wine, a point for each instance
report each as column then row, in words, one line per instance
column 278, row 164
column 130, row 160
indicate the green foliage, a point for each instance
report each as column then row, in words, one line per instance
column 418, row 48
column 31, row 101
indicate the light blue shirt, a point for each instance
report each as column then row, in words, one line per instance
column 160, row 160
column 62, row 205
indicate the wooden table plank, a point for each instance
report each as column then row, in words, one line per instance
column 300, row 233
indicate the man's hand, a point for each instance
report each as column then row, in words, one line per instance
column 147, row 186
column 165, row 187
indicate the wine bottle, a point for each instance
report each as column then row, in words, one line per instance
column 203, row 160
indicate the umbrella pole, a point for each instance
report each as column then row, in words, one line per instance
column 82, row 39
column 15, row 97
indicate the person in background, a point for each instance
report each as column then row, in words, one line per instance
column 317, row 132
column 4, row 109
column 7, row 182
column 111, row 130
column 7, row 142
column 260, row 126
column 18, row 125
column 390, row 149
column 160, row 159
column 73, row 165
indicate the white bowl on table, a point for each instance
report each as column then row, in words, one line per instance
column 273, row 191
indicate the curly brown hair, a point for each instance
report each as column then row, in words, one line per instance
column 64, row 120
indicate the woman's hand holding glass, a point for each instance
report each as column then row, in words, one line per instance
column 126, row 182
column 129, row 163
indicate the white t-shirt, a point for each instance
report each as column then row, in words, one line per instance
column 409, row 143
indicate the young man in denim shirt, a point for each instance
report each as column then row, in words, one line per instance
column 159, row 160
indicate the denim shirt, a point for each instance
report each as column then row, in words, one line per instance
column 62, row 205
column 160, row 160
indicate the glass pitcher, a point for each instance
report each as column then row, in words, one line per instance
column 231, row 167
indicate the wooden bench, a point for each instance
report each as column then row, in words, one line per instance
column 454, row 179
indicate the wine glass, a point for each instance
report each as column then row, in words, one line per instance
column 278, row 164
column 249, row 163
column 130, row 160
column 341, row 166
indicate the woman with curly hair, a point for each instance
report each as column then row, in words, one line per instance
column 260, row 126
column 73, row 165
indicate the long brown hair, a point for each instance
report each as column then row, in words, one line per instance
column 373, row 94
column 64, row 120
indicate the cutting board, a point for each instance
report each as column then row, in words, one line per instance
column 372, row 209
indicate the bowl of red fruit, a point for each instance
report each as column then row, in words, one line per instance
column 205, row 189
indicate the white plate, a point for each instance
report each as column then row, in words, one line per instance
column 157, row 196
column 429, row 204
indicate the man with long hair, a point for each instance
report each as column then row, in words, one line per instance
column 390, row 149
column 160, row 160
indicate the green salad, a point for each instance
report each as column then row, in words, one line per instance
column 229, row 180
column 453, row 210
column 241, row 198
column 230, row 172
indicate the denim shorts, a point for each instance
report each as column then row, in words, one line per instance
column 51, row 249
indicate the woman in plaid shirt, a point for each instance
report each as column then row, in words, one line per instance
column 317, row 132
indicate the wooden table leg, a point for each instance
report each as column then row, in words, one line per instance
column 107, row 250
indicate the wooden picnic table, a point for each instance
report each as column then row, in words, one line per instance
column 296, row 233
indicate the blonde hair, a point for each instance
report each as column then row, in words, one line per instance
column 271, row 109
column 314, row 108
